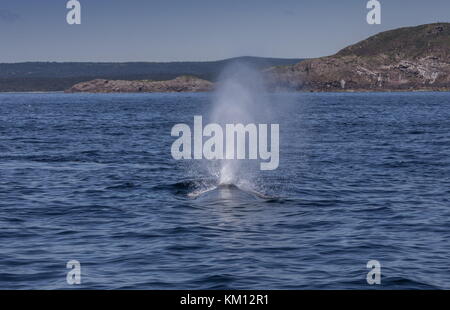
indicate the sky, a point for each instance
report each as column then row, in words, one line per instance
column 197, row 30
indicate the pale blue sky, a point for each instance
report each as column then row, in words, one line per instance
column 177, row 30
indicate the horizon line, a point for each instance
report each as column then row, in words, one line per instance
column 144, row 61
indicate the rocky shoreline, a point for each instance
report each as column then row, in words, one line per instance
column 179, row 84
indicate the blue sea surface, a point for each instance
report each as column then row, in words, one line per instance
column 90, row 177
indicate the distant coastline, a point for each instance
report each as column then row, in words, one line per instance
column 195, row 85
column 278, row 91
column 411, row 59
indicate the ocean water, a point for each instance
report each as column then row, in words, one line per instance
column 90, row 178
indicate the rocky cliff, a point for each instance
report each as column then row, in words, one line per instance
column 179, row 84
column 413, row 58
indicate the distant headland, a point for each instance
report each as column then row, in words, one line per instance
column 405, row 59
